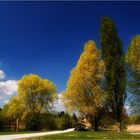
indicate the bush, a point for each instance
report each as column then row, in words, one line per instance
column 80, row 127
column 134, row 119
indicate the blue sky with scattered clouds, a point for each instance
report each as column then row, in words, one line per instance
column 47, row 38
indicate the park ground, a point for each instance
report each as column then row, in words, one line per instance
column 89, row 135
column 70, row 134
column 13, row 136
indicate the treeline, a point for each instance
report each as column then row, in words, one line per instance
column 97, row 87
column 46, row 121
column 35, row 97
column 102, row 78
column 32, row 108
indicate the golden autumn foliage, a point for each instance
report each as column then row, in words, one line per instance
column 133, row 71
column 133, row 54
column 83, row 92
column 35, row 95
column 13, row 109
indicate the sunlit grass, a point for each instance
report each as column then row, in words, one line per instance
column 89, row 135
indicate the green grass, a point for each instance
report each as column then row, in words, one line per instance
column 89, row 135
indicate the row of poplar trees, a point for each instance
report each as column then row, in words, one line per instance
column 98, row 82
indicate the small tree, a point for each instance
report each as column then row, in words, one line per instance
column 67, row 121
column 13, row 111
column 74, row 120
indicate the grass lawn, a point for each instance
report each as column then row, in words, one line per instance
column 88, row 135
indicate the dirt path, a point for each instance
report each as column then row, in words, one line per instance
column 18, row 136
column 133, row 128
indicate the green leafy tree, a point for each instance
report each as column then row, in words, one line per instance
column 84, row 92
column 1, row 119
column 133, row 71
column 67, row 121
column 13, row 111
column 134, row 119
column 74, row 120
column 112, row 54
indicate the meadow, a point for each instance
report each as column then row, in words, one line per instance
column 90, row 135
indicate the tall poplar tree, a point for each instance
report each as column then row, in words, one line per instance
column 84, row 92
column 112, row 54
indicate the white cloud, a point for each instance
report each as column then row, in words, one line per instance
column 6, row 101
column 58, row 105
column 2, row 74
column 128, row 108
column 8, row 87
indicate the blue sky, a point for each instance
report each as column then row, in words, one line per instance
column 47, row 38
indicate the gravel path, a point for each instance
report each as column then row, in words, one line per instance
column 134, row 128
column 18, row 136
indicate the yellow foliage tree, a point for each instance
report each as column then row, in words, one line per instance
column 133, row 54
column 13, row 111
column 84, row 92
column 35, row 96
column 133, row 72
column 36, row 93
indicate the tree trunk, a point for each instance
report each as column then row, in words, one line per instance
column 120, row 126
column 17, row 124
column 96, row 123
column 9, row 125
